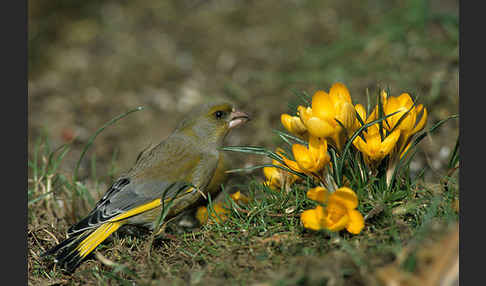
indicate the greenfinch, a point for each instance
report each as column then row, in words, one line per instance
column 178, row 173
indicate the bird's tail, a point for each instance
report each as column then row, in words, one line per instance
column 74, row 250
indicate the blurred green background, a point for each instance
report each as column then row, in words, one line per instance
column 90, row 61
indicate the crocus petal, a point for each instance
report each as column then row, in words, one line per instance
column 293, row 124
column 319, row 128
column 383, row 97
column 408, row 121
column 318, row 194
column 271, row 185
column 285, row 176
column 347, row 116
column 302, row 157
column 318, row 151
column 286, row 121
column 317, row 146
column 289, row 163
column 405, row 100
column 218, row 208
column 360, row 144
column 374, row 147
column 202, row 215
column 271, row 173
column 390, row 142
column 361, row 112
column 312, row 218
column 422, row 121
column 322, row 105
column 356, row 222
column 304, row 113
column 402, row 103
column 219, row 212
column 344, row 196
column 293, row 165
column 274, row 177
column 323, row 160
column 340, row 92
column 238, row 197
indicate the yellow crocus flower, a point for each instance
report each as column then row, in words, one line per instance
column 409, row 125
column 219, row 213
column 320, row 119
column 340, row 211
column 313, row 158
column 238, row 197
column 373, row 148
column 273, row 177
column 220, row 210
column 276, row 177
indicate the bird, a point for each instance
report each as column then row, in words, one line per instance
column 174, row 176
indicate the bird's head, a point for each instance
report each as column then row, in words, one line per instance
column 210, row 123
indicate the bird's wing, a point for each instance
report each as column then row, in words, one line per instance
column 125, row 199
column 169, row 175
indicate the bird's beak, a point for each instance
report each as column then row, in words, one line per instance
column 237, row 118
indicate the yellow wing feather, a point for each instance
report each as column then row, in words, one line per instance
column 143, row 208
column 96, row 237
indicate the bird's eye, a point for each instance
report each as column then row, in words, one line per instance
column 219, row 114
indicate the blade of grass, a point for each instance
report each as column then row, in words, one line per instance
column 54, row 164
column 254, row 150
column 335, row 170
column 266, row 165
column 93, row 137
column 165, row 208
column 454, row 156
column 381, row 113
column 286, row 135
column 303, row 96
column 82, row 190
column 39, row 198
column 246, row 149
column 35, row 169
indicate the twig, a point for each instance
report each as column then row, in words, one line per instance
column 52, row 235
column 376, row 210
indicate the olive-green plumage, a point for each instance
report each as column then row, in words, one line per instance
column 181, row 170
